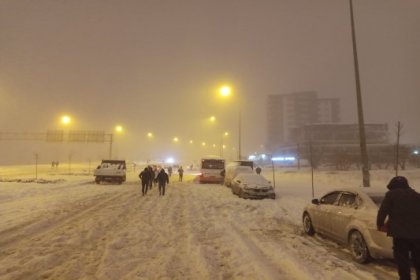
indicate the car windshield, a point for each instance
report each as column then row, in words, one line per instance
column 377, row 199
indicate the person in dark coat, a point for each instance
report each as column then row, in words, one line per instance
column 145, row 178
column 258, row 170
column 151, row 176
column 162, row 179
column 402, row 207
column 180, row 173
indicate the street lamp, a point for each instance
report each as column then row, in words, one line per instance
column 66, row 120
column 222, row 146
column 226, row 91
column 119, row 129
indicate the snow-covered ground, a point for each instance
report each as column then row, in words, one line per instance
column 63, row 226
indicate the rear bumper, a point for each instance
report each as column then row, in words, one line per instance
column 211, row 179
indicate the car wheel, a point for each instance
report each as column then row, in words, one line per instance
column 307, row 225
column 97, row 180
column 358, row 247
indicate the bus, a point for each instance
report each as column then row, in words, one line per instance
column 211, row 170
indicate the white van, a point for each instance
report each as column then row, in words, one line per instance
column 211, row 170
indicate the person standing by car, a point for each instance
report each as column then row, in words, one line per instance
column 402, row 207
column 180, row 173
column 162, row 179
column 145, row 179
column 258, row 170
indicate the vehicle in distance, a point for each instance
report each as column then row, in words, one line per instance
column 110, row 171
column 348, row 216
column 233, row 170
column 211, row 170
column 251, row 185
column 249, row 163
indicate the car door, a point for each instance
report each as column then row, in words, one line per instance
column 320, row 214
column 342, row 214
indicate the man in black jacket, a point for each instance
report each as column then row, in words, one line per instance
column 145, row 177
column 162, row 179
column 402, row 206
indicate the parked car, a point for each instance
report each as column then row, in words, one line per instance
column 251, row 185
column 348, row 216
column 234, row 170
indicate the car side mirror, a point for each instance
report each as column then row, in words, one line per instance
column 315, row 201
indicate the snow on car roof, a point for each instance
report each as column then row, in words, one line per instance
column 252, row 178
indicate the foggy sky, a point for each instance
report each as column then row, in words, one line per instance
column 155, row 65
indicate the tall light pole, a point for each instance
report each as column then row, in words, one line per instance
column 222, row 146
column 225, row 91
column 362, row 134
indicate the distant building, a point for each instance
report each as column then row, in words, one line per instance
column 341, row 134
column 288, row 113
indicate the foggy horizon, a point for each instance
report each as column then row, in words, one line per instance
column 156, row 66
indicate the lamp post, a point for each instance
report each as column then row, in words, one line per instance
column 226, row 91
column 362, row 135
column 118, row 129
column 222, row 146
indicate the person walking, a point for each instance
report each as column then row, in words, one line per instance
column 145, row 179
column 162, row 179
column 170, row 171
column 223, row 175
column 180, row 173
column 258, row 170
column 402, row 207
column 151, row 176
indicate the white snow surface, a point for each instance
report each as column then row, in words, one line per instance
column 64, row 226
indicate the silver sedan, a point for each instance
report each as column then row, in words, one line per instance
column 348, row 216
column 251, row 185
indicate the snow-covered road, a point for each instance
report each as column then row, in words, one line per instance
column 79, row 230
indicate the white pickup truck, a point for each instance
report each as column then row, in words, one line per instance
column 110, row 171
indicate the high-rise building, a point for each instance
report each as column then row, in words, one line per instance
column 287, row 113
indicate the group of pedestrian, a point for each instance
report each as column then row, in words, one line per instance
column 152, row 175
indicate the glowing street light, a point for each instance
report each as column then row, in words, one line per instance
column 191, row 141
column 149, row 135
column 66, row 120
column 225, row 91
column 119, row 129
column 222, row 146
column 212, row 118
column 203, row 144
column 176, row 139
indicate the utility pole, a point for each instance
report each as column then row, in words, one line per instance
column 362, row 134
column 397, row 148
column 110, row 145
column 36, row 166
